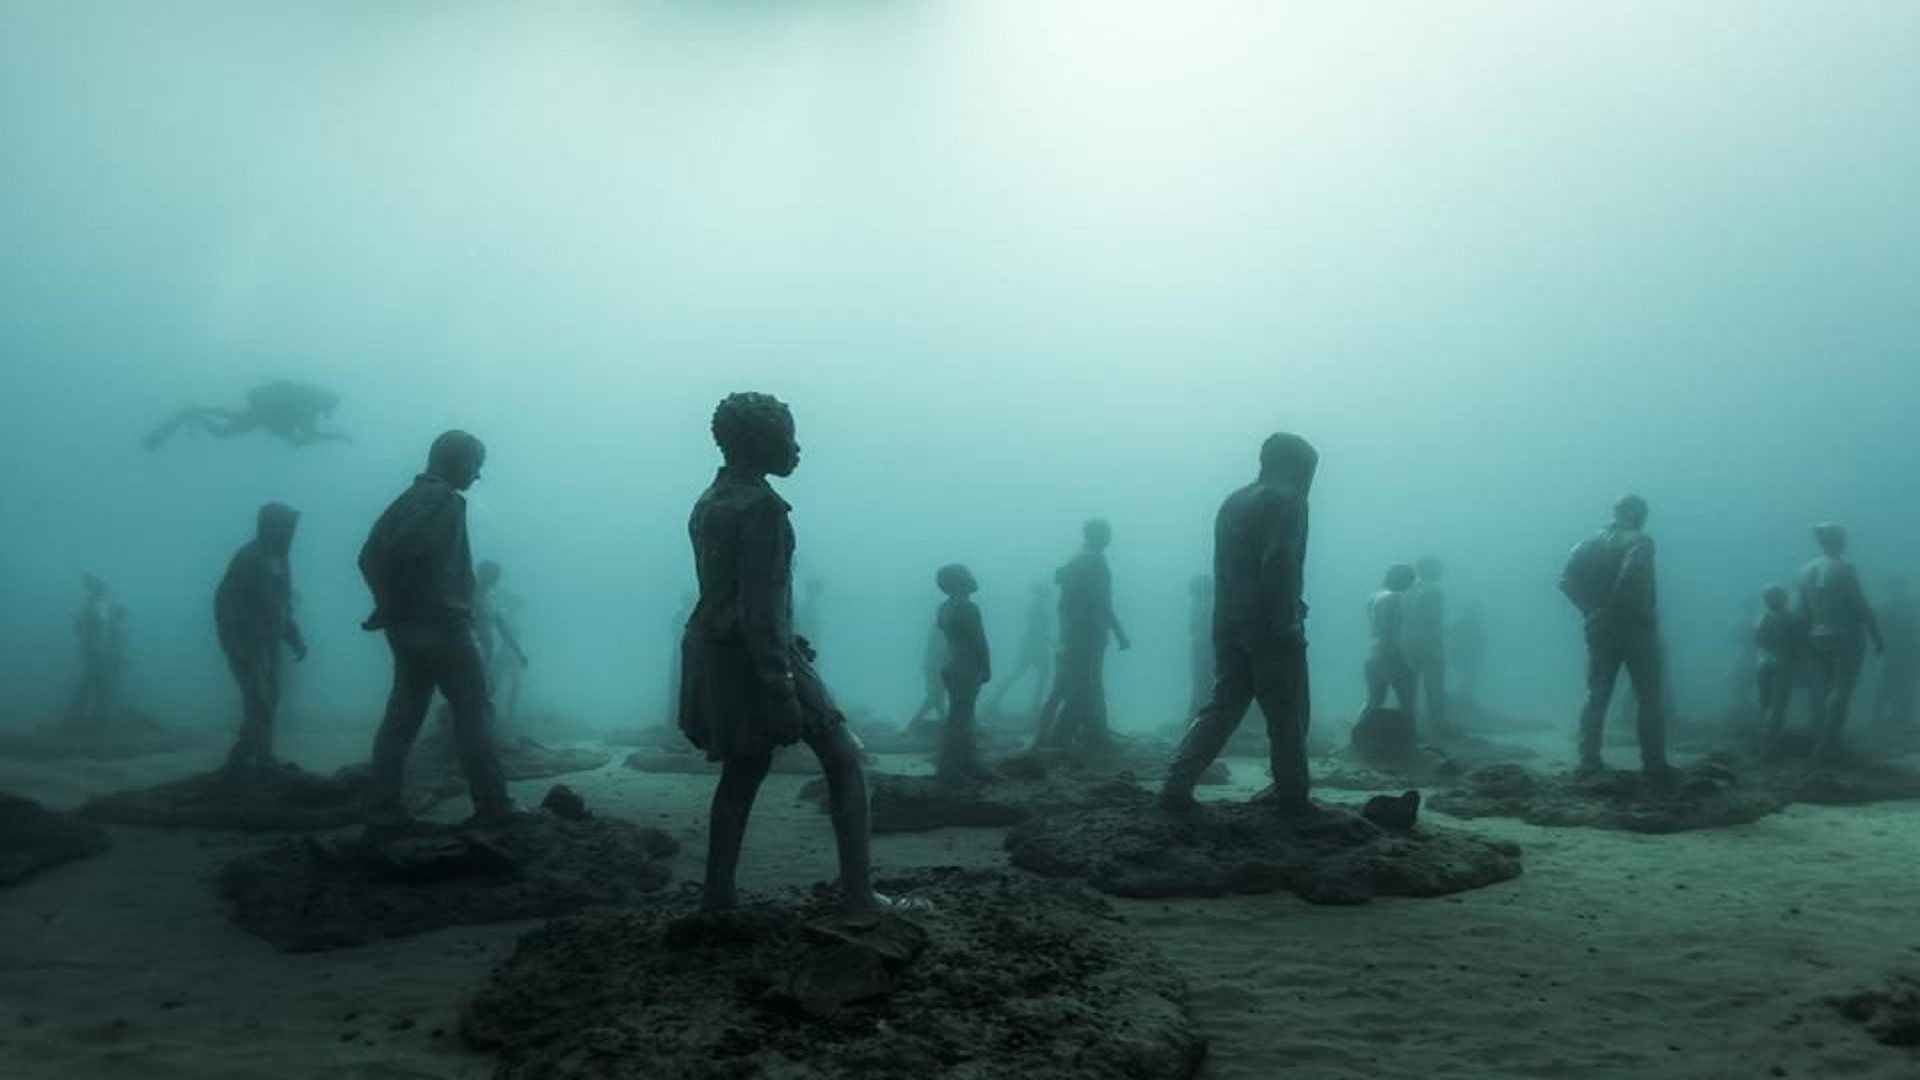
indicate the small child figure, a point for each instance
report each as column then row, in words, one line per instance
column 1776, row 639
column 1387, row 663
column 969, row 666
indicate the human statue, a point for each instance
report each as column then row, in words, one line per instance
column 1467, row 650
column 1389, row 667
column 1899, row 618
column 1259, row 629
column 750, row 686
column 490, row 625
column 418, row 563
column 1086, row 622
column 508, row 672
column 289, row 411
column 1840, row 622
column 253, row 617
column 1424, row 632
column 933, row 660
column 1200, row 641
column 1035, row 658
column 1609, row 578
column 95, row 699
column 969, row 666
column 1777, row 641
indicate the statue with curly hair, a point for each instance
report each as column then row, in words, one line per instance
column 748, row 685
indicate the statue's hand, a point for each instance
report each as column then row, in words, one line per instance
column 299, row 653
column 1123, row 640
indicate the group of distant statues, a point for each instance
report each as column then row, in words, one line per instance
column 746, row 685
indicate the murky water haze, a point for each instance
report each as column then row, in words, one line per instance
column 1014, row 265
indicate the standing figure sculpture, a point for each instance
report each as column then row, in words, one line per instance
column 491, row 628
column 94, row 702
column 1036, row 653
column 1899, row 619
column 418, row 564
column 969, row 667
column 1389, row 667
column 933, row 660
column 286, row 410
column 1259, row 628
column 1776, row 647
column 1424, row 633
column 1840, row 622
column 253, row 617
column 1200, row 664
column 1467, row 649
column 1086, row 621
column 749, row 686
column 1609, row 578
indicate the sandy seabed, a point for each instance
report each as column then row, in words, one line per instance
column 1700, row 955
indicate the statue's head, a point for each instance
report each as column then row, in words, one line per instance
column 456, row 457
column 1289, row 458
column 275, row 525
column 487, row 573
column 1429, row 568
column 1400, row 577
column 1775, row 597
column 956, row 580
column 1630, row 512
column 1831, row 538
column 1097, row 533
column 755, row 432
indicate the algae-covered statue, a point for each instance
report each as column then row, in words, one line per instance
column 418, row 563
column 1840, row 622
column 253, row 616
column 1035, row 657
column 969, row 666
column 1259, row 628
column 1087, row 621
column 1425, row 636
column 1389, row 666
column 748, row 685
column 1609, row 578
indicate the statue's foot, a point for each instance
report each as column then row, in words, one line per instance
column 494, row 817
column 1177, row 802
column 1587, row 770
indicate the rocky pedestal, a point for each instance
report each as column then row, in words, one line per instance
column 1002, row 978
column 308, row 895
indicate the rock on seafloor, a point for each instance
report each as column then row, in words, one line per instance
column 919, row 803
column 307, row 896
column 282, row 799
column 1847, row 782
column 1004, row 977
column 1702, row 796
column 1334, row 856
column 34, row 838
column 1890, row 1012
